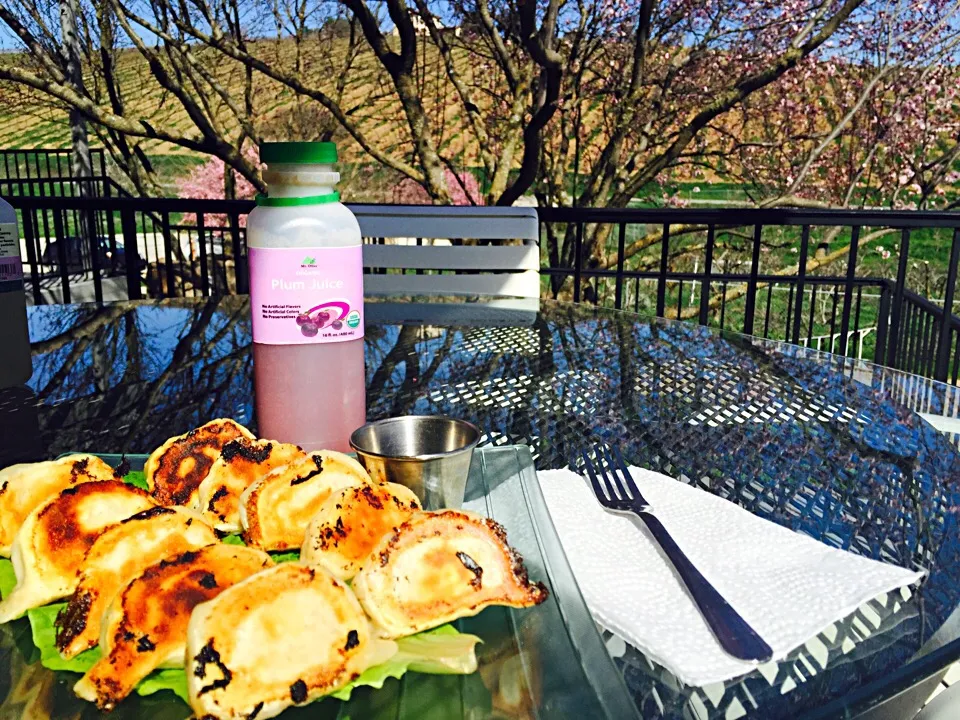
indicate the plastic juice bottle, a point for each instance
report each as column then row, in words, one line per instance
column 16, row 365
column 306, row 299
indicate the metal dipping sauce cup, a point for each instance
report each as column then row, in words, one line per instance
column 430, row 454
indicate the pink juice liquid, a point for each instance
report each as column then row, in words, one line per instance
column 305, row 259
column 311, row 395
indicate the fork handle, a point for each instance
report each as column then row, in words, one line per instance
column 734, row 633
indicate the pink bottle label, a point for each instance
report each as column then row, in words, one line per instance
column 306, row 295
column 11, row 269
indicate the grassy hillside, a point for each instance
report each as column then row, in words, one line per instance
column 28, row 120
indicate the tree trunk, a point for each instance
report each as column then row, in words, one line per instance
column 229, row 183
column 80, row 163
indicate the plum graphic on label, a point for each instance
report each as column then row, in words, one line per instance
column 337, row 324
column 309, row 329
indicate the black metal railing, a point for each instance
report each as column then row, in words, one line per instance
column 49, row 172
column 825, row 296
column 137, row 247
column 718, row 267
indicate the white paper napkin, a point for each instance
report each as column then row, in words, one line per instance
column 788, row 586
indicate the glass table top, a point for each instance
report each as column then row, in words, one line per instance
column 830, row 447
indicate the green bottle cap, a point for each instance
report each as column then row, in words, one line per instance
column 321, row 153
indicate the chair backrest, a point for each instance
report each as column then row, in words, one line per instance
column 492, row 270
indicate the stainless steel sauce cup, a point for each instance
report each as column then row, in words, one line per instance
column 430, row 454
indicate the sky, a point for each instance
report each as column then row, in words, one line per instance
column 10, row 43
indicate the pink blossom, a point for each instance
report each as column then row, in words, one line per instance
column 205, row 182
column 463, row 189
column 898, row 124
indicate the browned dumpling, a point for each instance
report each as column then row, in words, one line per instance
column 276, row 510
column 241, row 463
column 351, row 523
column 284, row 637
column 440, row 566
column 145, row 626
column 54, row 539
column 175, row 470
column 24, row 487
column 121, row 553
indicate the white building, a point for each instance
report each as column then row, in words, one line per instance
column 420, row 25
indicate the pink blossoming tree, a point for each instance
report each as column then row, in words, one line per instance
column 208, row 181
column 463, row 189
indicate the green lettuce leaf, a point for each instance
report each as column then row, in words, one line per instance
column 173, row 679
column 441, row 651
column 8, row 578
column 278, row 557
column 45, row 638
column 137, row 478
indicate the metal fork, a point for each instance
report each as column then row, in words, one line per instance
column 616, row 491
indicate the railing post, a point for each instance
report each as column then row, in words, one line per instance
column 723, row 304
column 111, row 228
column 751, row 302
column 883, row 319
column 59, row 176
column 910, row 340
column 577, row 261
column 848, row 289
column 30, row 240
column 90, row 222
column 204, row 270
column 813, row 310
column 62, row 259
column 766, row 317
column 128, row 228
column 662, row 278
column 956, row 360
column 239, row 266
column 923, row 343
column 168, row 254
column 801, row 278
column 943, row 355
column 707, row 271
column 930, row 349
column 896, row 314
column 902, row 340
column 833, row 320
column 621, row 246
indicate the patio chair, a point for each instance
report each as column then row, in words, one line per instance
column 506, row 276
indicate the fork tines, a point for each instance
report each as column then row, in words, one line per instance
column 609, row 475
